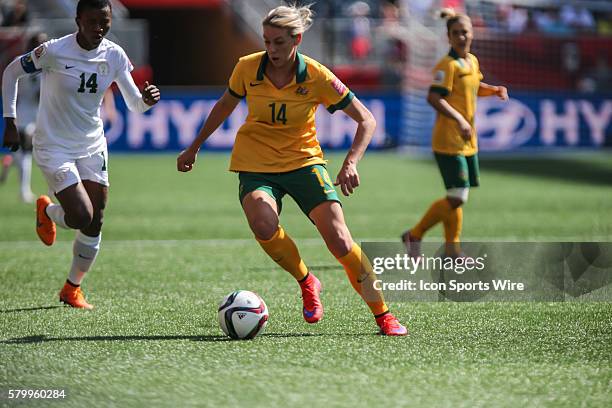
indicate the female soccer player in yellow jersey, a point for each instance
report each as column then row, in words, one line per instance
column 453, row 93
column 277, row 153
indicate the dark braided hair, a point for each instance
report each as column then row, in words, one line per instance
column 92, row 4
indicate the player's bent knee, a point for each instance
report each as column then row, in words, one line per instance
column 79, row 218
column 95, row 226
column 339, row 244
column 264, row 229
column 340, row 248
column 80, row 222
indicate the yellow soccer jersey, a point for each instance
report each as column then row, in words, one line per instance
column 279, row 133
column 458, row 83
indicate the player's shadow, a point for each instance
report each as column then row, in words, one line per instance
column 207, row 338
column 581, row 171
column 46, row 339
column 313, row 268
column 288, row 335
column 30, row 309
column 343, row 334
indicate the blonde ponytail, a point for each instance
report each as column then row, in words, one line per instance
column 291, row 17
column 451, row 17
column 447, row 13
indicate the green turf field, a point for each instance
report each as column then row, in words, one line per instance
column 174, row 244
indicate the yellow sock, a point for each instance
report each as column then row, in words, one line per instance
column 452, row 231
column 439, row 211
column 453, row 224
column 283, row 251
column 359, row 271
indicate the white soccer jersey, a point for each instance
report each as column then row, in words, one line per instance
column 73, row 85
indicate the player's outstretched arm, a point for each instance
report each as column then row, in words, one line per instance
column 348, row 177
column 10, row 78
column 489, row 90
column 222, row 109
column 135, row 101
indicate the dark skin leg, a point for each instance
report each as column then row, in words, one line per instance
column 84, row 205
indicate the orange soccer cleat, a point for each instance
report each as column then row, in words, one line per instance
column 311, row 289
column 73, row 296
column 45, row 227
column 390, row 326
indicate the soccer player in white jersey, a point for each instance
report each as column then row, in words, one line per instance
column 69, row 143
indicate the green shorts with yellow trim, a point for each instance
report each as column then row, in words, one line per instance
column 458, row 171
column 309, row 186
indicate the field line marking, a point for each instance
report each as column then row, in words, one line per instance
column 299, row 241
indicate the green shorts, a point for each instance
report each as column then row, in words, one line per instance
column 308, row 186
column 458, row 171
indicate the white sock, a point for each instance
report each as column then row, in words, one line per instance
column 84, row 250
column 57, row 215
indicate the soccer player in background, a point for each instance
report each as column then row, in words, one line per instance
column 276, row 153
column 27, row 107
column 69, row 143
column 456, row 85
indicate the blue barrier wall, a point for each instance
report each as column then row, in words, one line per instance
column 526, row 121
column 544, row 121
column 174, row 122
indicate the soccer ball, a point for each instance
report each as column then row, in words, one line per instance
column 242, row 315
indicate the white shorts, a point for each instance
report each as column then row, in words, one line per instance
column 63, row 170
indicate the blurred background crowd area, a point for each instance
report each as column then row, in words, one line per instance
column 555, row 58
column 538, row 45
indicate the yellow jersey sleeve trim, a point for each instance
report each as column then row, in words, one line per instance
column 439, row 90
column 342, row 104
column 235, row 94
